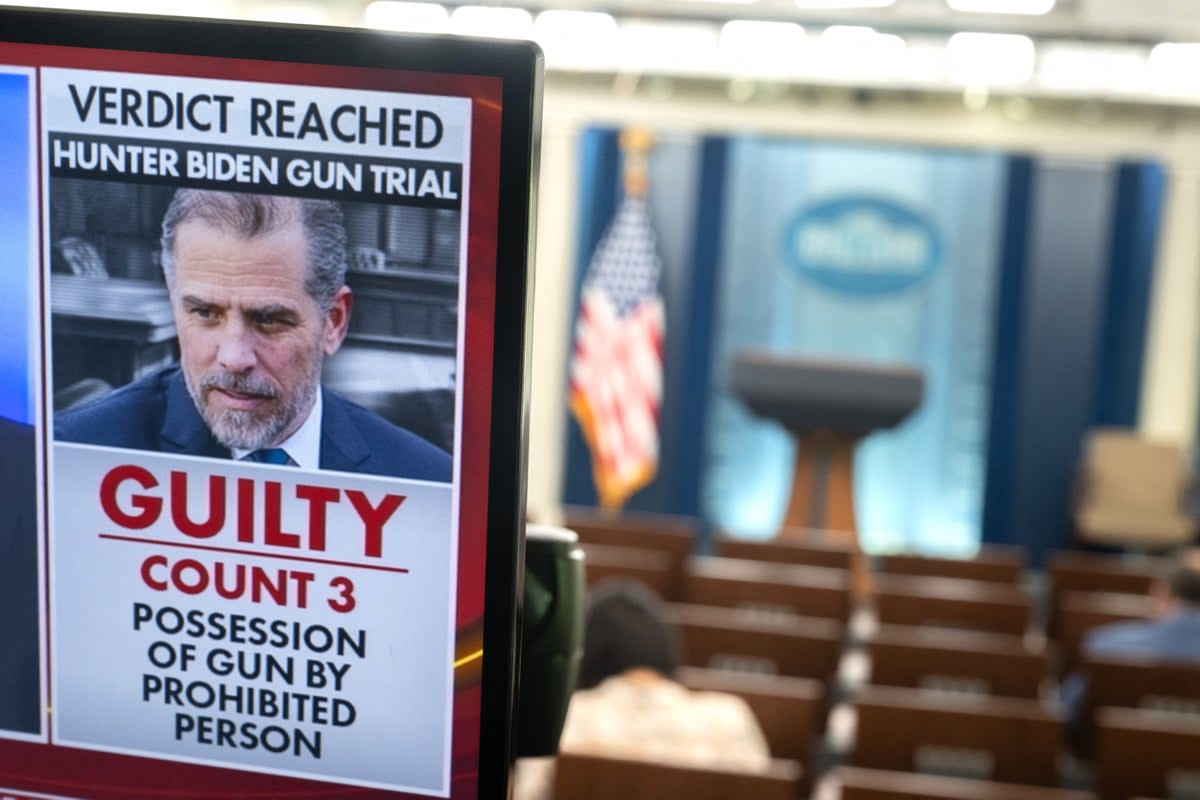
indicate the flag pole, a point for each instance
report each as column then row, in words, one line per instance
column 636, row 144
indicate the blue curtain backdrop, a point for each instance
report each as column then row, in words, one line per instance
column 16, row 249
column 958, row 262
column 919, row 486
column 1078, row 265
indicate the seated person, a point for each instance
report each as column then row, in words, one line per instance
column 1173, row 635
column 628, row 706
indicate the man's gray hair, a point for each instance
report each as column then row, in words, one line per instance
column 250, row 215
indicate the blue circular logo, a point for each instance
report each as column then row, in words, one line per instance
column 863, row 245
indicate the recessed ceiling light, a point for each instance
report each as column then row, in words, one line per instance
column 990, row 58
column 498, row 21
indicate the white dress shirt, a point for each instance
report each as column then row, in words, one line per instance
column 303, row 446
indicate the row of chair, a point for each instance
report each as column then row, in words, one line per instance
column 1140, row 753
column 1003, row 750
column 599, row 778
column 982, row 740
column 900, row 600
column 981, row 593
column 961, row 627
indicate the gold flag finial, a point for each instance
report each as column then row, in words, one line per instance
column 636, row 144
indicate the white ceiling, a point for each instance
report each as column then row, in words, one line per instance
column 1141, row 21
column 1148, row 21
column 1091, row 49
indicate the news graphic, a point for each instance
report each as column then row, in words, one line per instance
column 215, row 597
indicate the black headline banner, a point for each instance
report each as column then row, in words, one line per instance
column 294, row 173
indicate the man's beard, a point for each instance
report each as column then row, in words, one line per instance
column 251, row 430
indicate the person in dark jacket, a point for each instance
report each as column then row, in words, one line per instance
column 257, row 287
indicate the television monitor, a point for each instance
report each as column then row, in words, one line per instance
column 263, row 345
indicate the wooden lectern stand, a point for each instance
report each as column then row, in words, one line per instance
column 828, row 407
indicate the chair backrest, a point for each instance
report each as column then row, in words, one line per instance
column 671, row 535
column 1087, row 572
column 812, row 554
column 991, row 738
column 741, row 583
column 1083, row 611
column 653, row 568
column 951, row 603
column 878, row 784
column 1133, row 682
column 986, row 663
column 741, row 640
column 668, row 532
column 1126, row 469
column 1145, row 753
column 789, row 710
column 582, row 777
column 992, row 564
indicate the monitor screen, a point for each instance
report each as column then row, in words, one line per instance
column 261, row 369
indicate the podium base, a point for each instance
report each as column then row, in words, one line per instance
column 822, row 499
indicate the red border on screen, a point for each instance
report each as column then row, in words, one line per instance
column 85, row 773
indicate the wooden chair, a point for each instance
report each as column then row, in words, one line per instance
column 951, row 603
column 877, row 784
column 671, row 535
column 987, row 663
column 992, row 564
column 1130, row 492
column 1088, row 572
column 1132, row 682
column 735, row 582
column 1145, row 753
column 1082, row 611
column 580, row 777
column 813, row 553
column 653, row 568
column 789, row 710
column 991, row 738
column 733, row 639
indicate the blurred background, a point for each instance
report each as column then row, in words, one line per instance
column 1047, row 151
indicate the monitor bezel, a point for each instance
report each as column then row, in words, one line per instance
column 519, row 66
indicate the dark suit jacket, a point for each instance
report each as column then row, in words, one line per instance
column 19, row 699
column 157, row 413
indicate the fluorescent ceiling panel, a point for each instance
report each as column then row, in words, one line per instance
column 390, row 15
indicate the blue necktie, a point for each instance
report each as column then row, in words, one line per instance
column 271, row 455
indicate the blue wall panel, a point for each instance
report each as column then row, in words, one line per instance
column 1062, row 317
column 998, row 511
column 599, row 165
column 1133, row 247
column 919, row 486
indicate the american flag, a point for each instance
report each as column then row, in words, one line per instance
column 617, row 364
